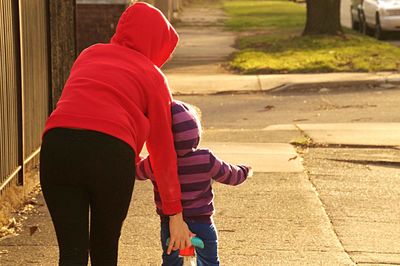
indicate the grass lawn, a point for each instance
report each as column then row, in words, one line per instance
column 271, row 42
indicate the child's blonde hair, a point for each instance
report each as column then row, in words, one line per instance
column 196, row 112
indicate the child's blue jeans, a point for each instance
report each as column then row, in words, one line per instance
column 205, row 257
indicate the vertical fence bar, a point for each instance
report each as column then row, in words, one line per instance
column 49, row 61
column 3, row 166
column 20, row 95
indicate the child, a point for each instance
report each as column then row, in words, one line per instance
column 197, row 168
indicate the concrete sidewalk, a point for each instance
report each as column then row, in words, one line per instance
column 263, row 157
column 272, row 219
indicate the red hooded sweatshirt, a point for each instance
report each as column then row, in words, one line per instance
column 118, row 89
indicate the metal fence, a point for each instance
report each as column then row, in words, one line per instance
column 24, row 85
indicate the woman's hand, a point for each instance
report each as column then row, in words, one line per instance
column 179, row 233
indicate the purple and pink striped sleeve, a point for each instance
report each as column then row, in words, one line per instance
column 143, row 169
column 226, row 173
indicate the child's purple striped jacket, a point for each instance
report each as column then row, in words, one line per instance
column 196, row 167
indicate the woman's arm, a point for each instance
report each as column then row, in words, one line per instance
column 161, row 149
column 163, row 159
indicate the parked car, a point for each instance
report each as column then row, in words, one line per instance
column 355, row 10
column 380, row 16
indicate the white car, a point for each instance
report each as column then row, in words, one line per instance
column 380, row 16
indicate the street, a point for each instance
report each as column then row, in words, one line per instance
column 257, row 111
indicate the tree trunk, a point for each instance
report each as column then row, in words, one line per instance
column 62, row 42
column 323, row 17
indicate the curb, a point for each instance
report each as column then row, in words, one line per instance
column 390, row 83
column 339, row 85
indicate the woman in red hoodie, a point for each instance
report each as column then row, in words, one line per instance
column 115, row 99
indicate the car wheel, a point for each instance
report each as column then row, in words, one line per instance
column 379, row 34
column 362, row 23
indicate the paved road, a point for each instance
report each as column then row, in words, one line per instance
column 257, row 111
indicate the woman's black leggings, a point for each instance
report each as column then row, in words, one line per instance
column 84, row 172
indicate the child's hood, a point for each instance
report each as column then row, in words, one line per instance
column 186, row 128
column 146, row 30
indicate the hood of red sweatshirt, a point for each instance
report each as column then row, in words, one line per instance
column 145, row 29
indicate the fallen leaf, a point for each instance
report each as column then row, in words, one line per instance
column 269, row 107
column 4, row 251
column 33, row 229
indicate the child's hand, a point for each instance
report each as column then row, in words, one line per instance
column 250, row 173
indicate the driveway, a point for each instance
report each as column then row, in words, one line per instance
column 395, row 42
column 345, row 13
